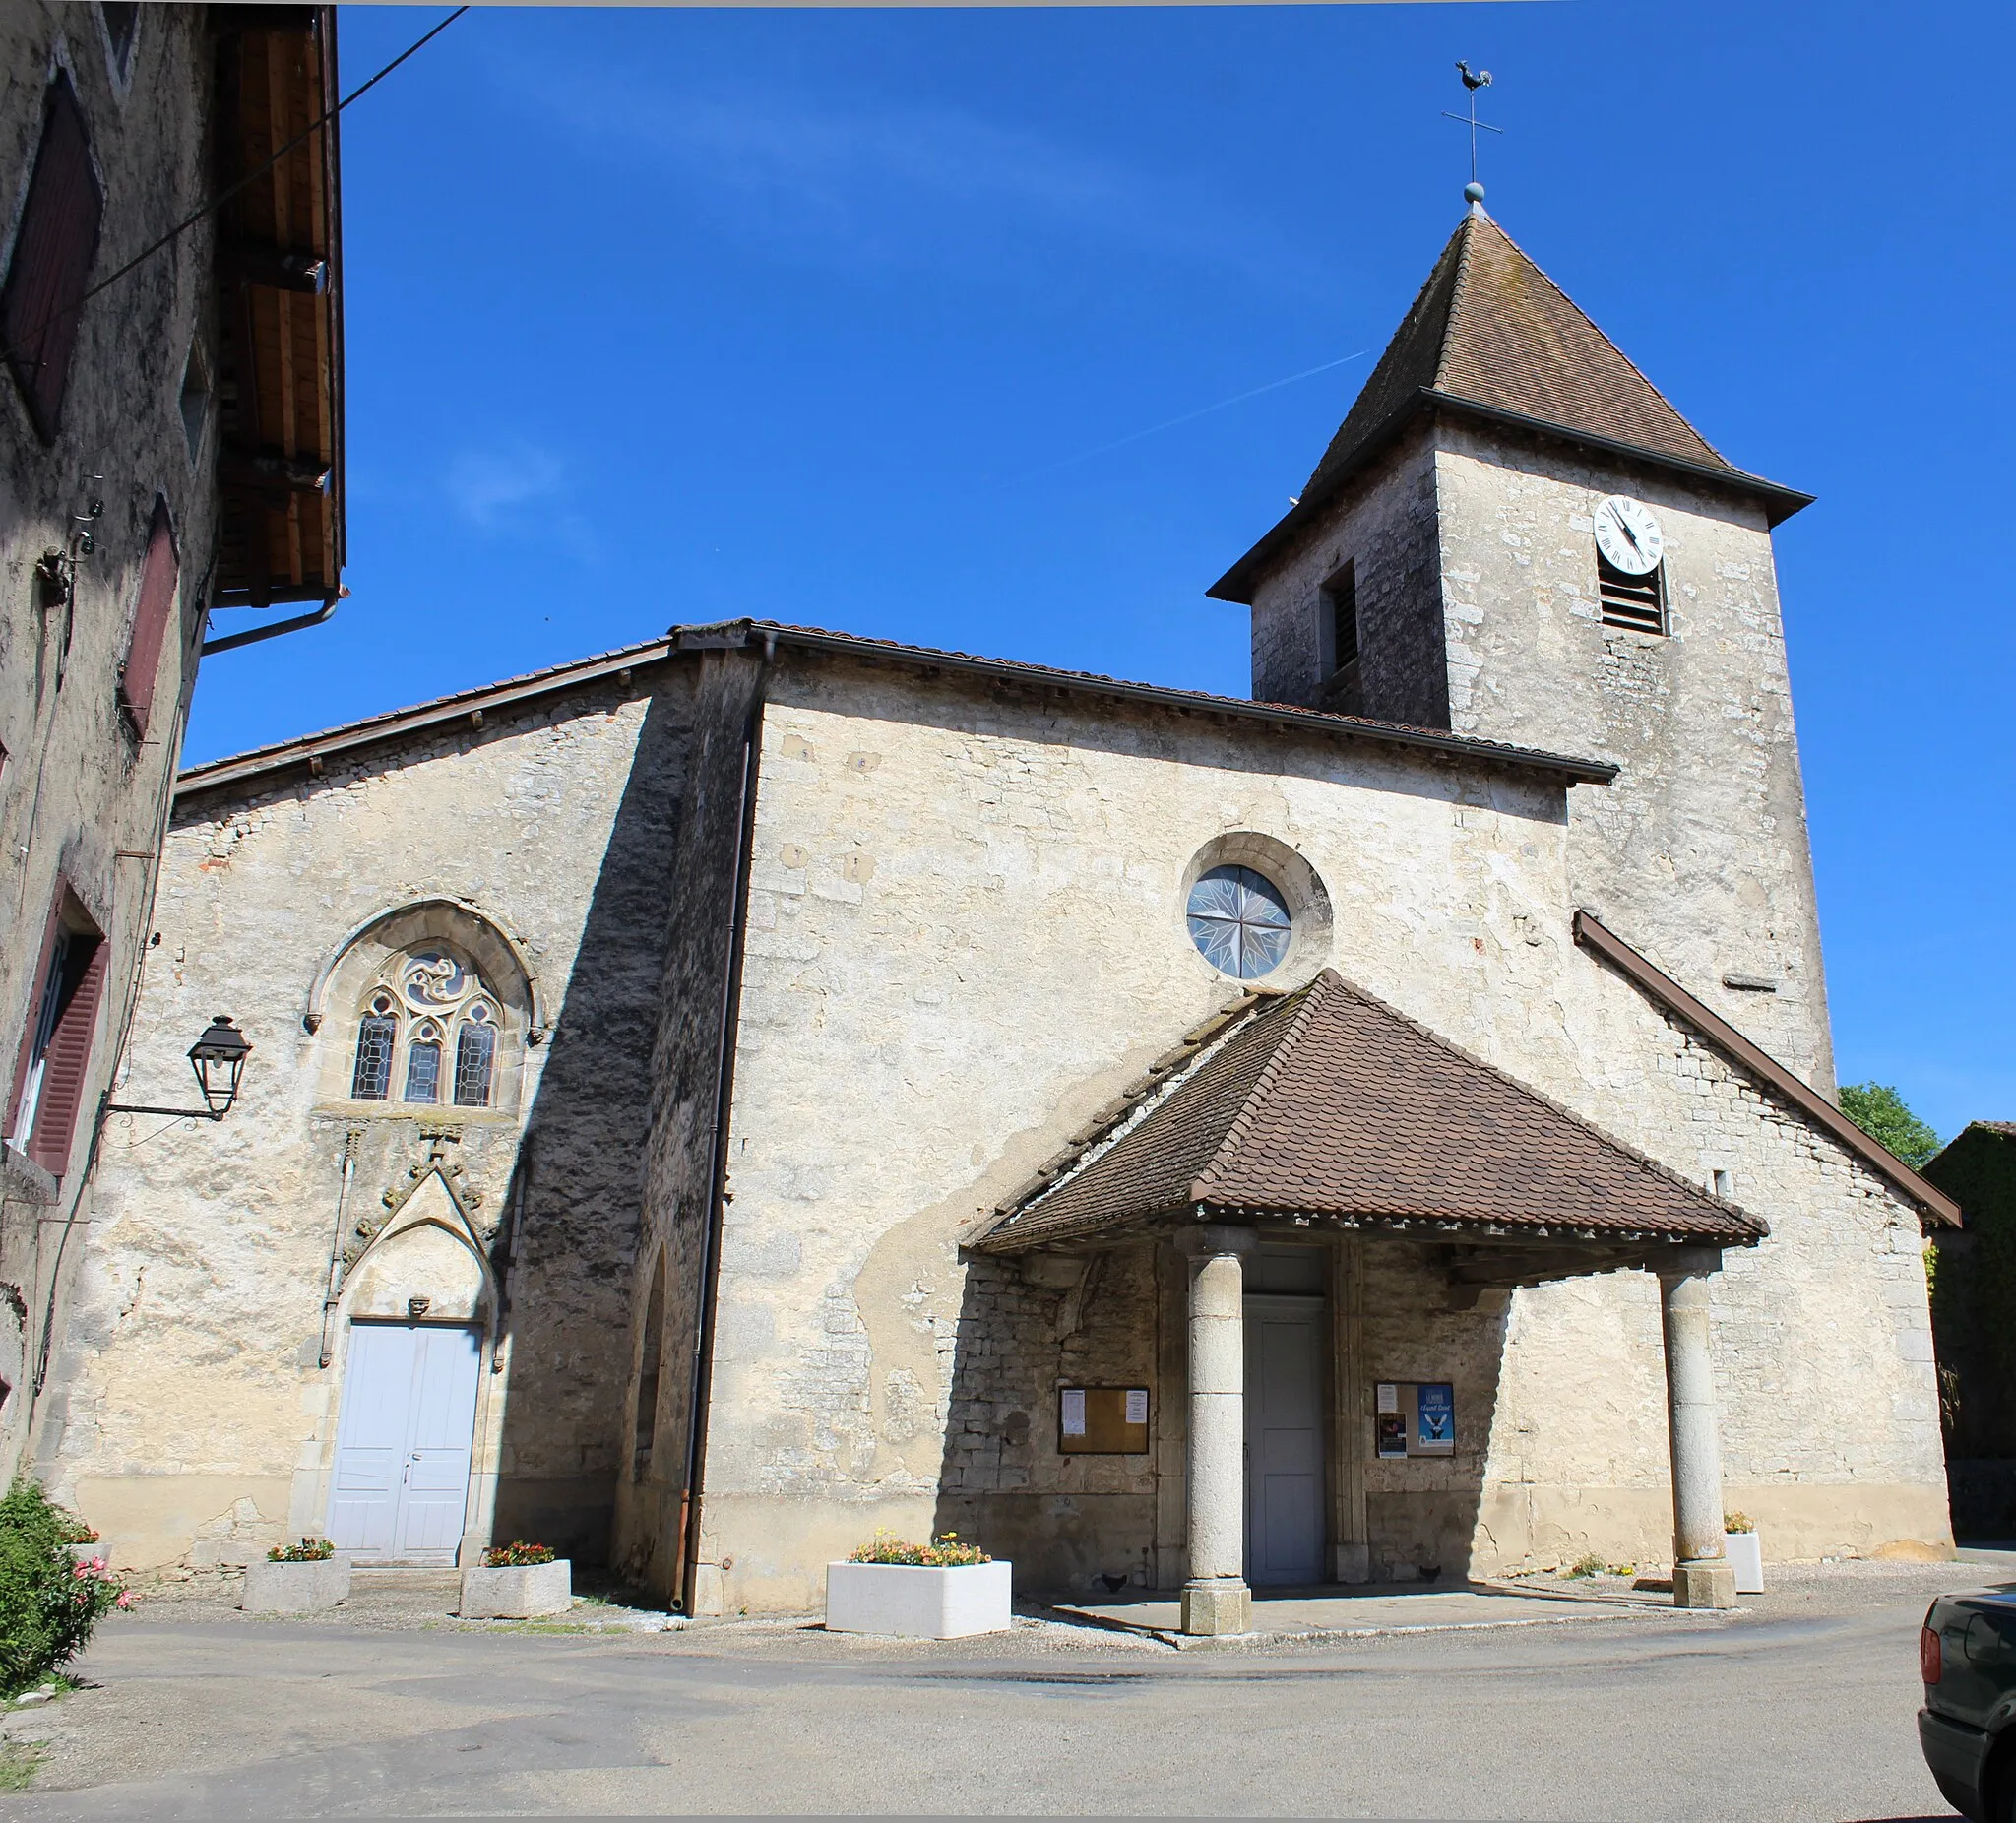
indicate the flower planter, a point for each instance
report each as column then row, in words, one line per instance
column 296, row 1587
column 518, row 1590
column 911, row 1601
column 1746, row 1552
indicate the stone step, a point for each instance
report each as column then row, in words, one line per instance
column 405, row 1576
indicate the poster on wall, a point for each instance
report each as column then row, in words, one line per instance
column 1435, row 1418
column 1415, row 1418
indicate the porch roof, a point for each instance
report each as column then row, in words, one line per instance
column 1328, row 1106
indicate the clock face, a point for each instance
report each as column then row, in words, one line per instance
column 1628, row 536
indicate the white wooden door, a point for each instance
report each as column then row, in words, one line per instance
column 1285, row 1356
column 402, row 1443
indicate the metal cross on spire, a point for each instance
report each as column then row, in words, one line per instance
column 1473, row 80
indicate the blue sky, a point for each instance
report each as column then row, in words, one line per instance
column 832, row 316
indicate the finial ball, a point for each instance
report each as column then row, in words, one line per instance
column 1472, row 193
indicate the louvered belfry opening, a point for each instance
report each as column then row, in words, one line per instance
column 1634, row 601
column 49, row 268
column 56, row 1056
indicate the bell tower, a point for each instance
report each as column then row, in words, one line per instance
column 1513, row 535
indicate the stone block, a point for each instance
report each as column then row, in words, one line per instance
column 517, row 1591
column 1219, row 1606
column 296, row 1587
column 918, row 1601
column 1745, row 1553
column 1709, row 1584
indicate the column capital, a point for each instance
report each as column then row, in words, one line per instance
column 1215, row 1237
column 1690, row 1263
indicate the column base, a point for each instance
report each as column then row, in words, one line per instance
column 1218, row 1605
column 1709, row 1582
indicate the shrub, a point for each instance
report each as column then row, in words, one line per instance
column 308, row 1550
column 512, row 1556
column 943, row 1553
column 1589, row 1565
column 1738, row 1521
column 49, row 1602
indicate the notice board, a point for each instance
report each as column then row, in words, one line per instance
column 1103, row 1420
column 1415, row 1418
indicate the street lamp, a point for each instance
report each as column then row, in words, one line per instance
column 219, row 1059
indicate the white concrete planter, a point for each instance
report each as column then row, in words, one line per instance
column 296, row 1587
column 518, row 1590
column 1745, row 1552
column 914, row 1601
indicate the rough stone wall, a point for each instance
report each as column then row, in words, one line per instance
column 699, row 913
column 1386, row 523
column 190, row 1383
column 1024, row 1329
column 81, row 797
column 1698, row 855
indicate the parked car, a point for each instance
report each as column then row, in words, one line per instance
column 1967, row 1657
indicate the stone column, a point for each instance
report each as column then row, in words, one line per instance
column 1702, row 1576
column 1216, row 1599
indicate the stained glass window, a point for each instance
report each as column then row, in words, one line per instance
column 475, row 1045
column 1240, row 922
column 423, row 1066
column 371, row 1080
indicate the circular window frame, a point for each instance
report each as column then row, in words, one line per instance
column 1311, row 920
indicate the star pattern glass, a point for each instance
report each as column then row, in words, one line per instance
column 1241, row 922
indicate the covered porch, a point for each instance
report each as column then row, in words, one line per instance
column 1311, row 1144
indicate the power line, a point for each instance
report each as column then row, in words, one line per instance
column 218, row 201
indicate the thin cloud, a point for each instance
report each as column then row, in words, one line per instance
column 492, row 487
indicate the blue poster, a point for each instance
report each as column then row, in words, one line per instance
column 1436, row 1423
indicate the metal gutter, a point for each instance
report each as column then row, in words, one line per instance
column 1660, row 988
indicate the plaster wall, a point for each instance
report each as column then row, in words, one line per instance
column 1700, row 848
column 82, row 794
column 191, row 1416
column 966, row 937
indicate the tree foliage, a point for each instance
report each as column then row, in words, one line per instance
column 1879, row 1110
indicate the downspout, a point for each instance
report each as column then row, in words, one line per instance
column 724, row 1096
column 331, row 1292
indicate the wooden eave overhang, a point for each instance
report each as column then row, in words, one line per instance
column 279, row 276
column 1932, row 1203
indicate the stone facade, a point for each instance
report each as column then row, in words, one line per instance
column 83, row 789
column 964, row 938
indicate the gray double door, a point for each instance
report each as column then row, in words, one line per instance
column 1288, row 1346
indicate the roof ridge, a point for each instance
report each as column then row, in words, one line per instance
column 1255, row 1099
column 1603, row 335
column 1466, row 237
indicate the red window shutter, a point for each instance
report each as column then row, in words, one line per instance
column 52, row 262
column 150, row 623
column 69, row 1058
column 33, row 1015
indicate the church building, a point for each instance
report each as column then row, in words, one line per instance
column 718, row 1100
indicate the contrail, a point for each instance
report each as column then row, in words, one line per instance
column 1135, row 436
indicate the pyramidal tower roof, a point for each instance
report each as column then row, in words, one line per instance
column 1491, row 336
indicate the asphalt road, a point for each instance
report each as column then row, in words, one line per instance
column 1803, row 1708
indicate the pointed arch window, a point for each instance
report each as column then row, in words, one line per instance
column 423, row 1063
column 429, row 1033
column 377, row 1035
column 476, row 1052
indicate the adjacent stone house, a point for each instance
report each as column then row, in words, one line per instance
column 724, row 1097
column 170, row 425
